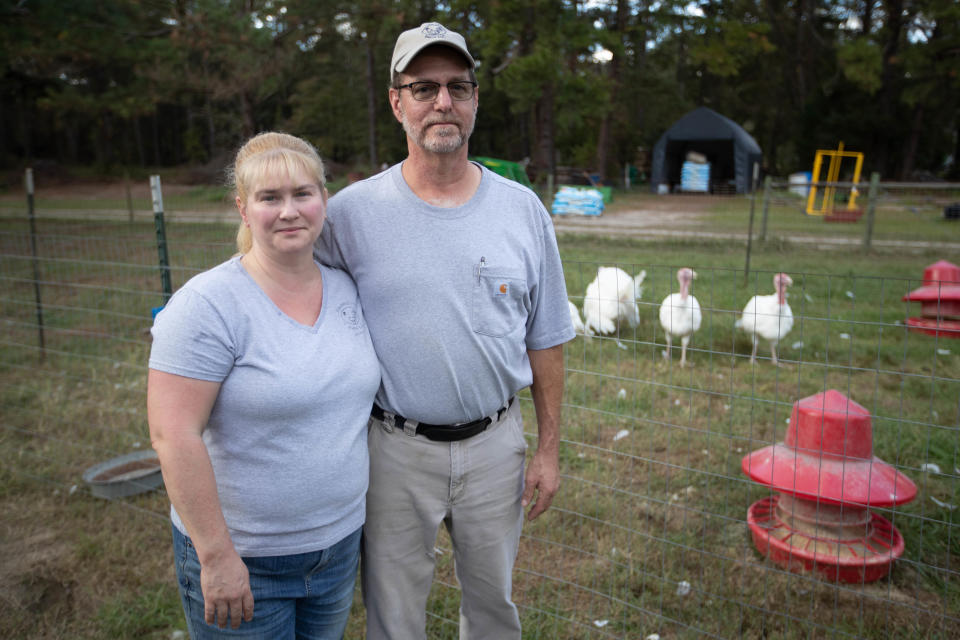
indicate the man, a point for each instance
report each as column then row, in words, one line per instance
column 462, row 289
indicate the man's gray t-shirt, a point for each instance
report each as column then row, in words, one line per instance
column 454, row 297
column 287, row 434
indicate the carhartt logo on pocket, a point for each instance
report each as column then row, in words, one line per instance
column 502, row 289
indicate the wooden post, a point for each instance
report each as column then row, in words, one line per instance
column 28, row 184
column 872, row 195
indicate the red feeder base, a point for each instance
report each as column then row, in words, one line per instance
column 844, row 215
column 945, row 328
column 840, row 543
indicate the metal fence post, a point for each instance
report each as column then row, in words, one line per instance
column 767, row 181
column 157, row 195
column 28, row 184
column 871, row 208
column 126, row 188
column 753, row 200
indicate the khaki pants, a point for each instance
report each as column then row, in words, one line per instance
column 474, row 487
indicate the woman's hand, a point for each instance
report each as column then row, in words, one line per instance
column 225, row 584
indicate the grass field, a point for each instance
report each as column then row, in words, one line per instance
column 900, row 214
column 638, row 515
column 693, row 426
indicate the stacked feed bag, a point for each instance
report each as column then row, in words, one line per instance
column 584, row 202
column 695, row 176
column 800, row 183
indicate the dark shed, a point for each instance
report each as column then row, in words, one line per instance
column 729, row 149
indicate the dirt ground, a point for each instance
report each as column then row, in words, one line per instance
column 679, row 213
column 88, row 189
column 669, row 216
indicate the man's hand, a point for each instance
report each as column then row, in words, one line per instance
column 543, row 474
column 543, row 480
column 225, row 584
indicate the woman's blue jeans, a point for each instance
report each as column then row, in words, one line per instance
column 305, row 596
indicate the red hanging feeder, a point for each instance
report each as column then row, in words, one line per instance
column 827, row 477
column 939, row 299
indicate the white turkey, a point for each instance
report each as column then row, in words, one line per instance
column 611, row 300
column 768, row 317
column 575, row 318
column 680, row 314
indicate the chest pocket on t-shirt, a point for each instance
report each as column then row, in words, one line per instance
column 499, row 302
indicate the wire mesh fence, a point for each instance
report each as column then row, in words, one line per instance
column 649, row 534
column 891, row 212
column 665, row 446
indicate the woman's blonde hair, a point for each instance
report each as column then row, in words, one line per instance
column 270, row 154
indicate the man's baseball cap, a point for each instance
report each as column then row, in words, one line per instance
column 413, row 41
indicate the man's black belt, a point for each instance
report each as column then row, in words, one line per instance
column 443, row 432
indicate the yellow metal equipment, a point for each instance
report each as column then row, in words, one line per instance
column 833, row 174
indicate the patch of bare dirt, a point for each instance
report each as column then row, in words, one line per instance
column 28, row 570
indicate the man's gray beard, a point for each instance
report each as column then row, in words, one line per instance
column 438, row 143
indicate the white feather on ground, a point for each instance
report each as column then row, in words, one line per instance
column 680, row 314
column 768, row 317
column 611, row 301
column 575, row 317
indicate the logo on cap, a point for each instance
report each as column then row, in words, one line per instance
column 433, row 30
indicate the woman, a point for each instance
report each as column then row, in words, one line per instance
column 262, row 375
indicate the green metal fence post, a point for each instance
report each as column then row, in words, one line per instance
column 767, row 181
column 157, row 195
column 872, row 195
column 28, row 184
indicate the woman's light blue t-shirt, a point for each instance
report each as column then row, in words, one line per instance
column 287, row 434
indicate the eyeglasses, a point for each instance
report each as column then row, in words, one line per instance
column 428, row 91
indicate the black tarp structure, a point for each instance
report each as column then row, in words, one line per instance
column 729, row 149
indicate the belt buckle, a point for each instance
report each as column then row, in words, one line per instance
column 464, row 431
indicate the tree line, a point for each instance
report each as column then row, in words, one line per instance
column 587, row 84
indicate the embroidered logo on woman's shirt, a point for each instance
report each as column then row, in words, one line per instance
column 350, row 315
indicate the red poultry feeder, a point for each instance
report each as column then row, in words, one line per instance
column 827, row 477
column 939, row 299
